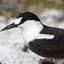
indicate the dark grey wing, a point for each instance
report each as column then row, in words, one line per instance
column 53, row 48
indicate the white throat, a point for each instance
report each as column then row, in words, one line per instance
column 31, row 30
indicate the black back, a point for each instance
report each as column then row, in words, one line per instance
column 50, row 48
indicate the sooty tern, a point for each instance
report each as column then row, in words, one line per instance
column 43, row 40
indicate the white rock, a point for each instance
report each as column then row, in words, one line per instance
column 9, row 55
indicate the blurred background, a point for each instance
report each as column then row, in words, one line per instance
column 10, row 8
column 50, row 12
column 47, row 10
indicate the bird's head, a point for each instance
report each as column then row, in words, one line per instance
column 23, row 20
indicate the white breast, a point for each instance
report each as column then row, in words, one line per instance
column 32, row 30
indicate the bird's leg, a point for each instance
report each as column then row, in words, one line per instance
column 25, row 48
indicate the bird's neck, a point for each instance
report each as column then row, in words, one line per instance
column 32, row 31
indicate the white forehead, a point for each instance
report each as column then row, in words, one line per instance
column 18, row 20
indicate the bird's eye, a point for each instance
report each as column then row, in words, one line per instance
column 18, row 20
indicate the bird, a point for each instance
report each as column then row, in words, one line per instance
column 43, row 40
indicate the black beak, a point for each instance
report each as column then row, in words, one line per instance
column 9, row 27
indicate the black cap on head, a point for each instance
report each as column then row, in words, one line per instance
column 28, row 16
